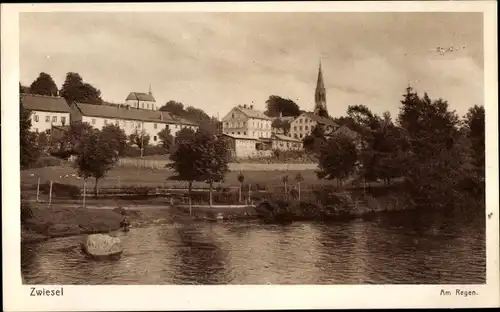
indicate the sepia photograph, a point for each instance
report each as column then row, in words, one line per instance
column 240, row 147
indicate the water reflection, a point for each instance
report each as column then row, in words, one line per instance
column 404, row 248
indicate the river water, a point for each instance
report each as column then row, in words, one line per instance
column 398, row 248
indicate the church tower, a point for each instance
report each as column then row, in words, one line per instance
column 320, row 95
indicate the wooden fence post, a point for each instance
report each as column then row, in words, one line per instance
column 50, row 193
column 84, row 191
column 38, row 189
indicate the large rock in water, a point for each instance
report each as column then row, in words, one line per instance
column 102, row 246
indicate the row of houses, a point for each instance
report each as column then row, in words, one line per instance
column 249, row 131
column 252, row 133
column 49, row 112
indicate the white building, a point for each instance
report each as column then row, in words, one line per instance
column 141, row 100
column 246, row 121
column 302, row 125
column 130, row 119
column 285, row 143
column 47, row 111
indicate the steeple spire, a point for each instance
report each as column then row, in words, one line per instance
column 320, row 94
column 150, row 92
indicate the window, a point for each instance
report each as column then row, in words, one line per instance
column 245, row 133
column 295, row 136
column 154, row 138
column 254, row 133
column 142, row 105
column 155, row 126
column 300, row 127
column 295, row 128
column 300, row 135
column 244, row 124
column 35, row 118
column 232, row 116
column 47, row 118
column 54, row 118
column 238, row 132
column 147, row 105
column 166, row 126
column 306, row 127
column 300, row 120
column 63, row 120
column 93, row 121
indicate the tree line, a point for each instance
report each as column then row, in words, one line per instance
column 438, row 156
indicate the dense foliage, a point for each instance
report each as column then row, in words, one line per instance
column 439, row 157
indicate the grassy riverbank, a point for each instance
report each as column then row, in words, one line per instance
column 61, row 220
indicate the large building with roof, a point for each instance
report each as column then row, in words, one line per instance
column 141, row 100
column 303, row 125
column 47, row 111
column 129, row 119
column 244, row 120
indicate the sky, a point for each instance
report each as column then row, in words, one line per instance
column 215, row 61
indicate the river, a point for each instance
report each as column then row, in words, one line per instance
column 402, row 248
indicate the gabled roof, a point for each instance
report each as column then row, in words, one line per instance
column 286, row 138
column 140, row 96
column 318, row 119
column 45, row 103
column 107, row 111
column 253, row 113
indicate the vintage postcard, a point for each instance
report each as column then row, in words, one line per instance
column 273, row 155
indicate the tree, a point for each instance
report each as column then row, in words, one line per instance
column 176, row 108
column 284, row 179
column 277, row 105
column 98, row 154
column 299, row 178
column 199, row 156
column 44, row 85
column 434, row 170
column 140, row 139
column 23, row 89
column 337, row 159
column 75, row 90
column 27, row 139
column 276, row 124
column 241, row 179
column 323, row 113
column 167, row 140
column 312, row 142
column 116, row 138
column 43, row 142
column 215, row 160
column 74, row 137
column 475, row 126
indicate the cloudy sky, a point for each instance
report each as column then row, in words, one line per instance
column 217, row 60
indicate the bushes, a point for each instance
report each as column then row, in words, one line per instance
column 26, row 212
column 47, row 161
column 133, row 151
column 61, row 190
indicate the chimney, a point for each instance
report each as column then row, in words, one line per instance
column 244, row 106
column 251, row 106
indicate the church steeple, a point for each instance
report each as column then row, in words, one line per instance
column 320, row 95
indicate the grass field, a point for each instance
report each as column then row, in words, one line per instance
column 126, row 176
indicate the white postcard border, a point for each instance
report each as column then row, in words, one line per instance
column 80, row 298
